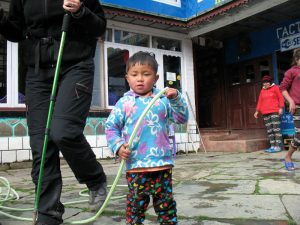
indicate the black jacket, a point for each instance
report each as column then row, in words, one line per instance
column 34, row 20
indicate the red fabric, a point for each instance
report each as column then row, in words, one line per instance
column 291, row 83
column 266, row 78
column 270, row 100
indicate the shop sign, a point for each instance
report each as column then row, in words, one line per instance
column 289, row 36
column 290, row 42
column 288, row 30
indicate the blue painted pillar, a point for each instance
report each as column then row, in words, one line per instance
column 274, row 64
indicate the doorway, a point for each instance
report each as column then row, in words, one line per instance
column 243, row 88
column 209, row 83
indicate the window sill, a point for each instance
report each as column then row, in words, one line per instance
column 21, row 112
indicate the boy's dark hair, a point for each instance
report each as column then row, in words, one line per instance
column 143, row 58
column 296, row 56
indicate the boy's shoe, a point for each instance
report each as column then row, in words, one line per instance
column 97, row 198
column 274, row 149
column 277, row 149
column 289, row 166
column 269, row 149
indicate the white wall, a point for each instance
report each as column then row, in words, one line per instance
column 17, row 149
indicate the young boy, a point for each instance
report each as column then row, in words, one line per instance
column 149, row 160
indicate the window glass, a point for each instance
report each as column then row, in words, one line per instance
column 96, row 97
column 22, row 70
column 3, row 77
column 117, row 85
column 129, row 38
column 264, row 68
column 234, row 75
column 167, row 44
column 250, row 73
column 172, row 71
column 108, row 35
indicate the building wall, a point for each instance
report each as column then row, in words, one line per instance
column 198, row 7
column 14, row 140
column 175, row 10
column 281, row 37
column 179, row 9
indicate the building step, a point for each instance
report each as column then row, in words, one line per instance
column 250, row 145
column 235, row 141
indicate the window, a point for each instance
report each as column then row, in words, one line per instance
column 97, row 101
column 108, row 34
column 170, row 2
column 3, row 78
column 264, row 68
column 250, row 73
column 129, row 38
column 11, row 88
column 124, row 44
column 116, row 68
column 167, row 44
column 172, row 71
column 110, row 62
column 22, row 70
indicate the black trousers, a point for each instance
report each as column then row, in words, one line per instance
column 66, row 134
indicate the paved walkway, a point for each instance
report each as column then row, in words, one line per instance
column 210, row 189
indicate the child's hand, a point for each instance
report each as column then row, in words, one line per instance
column 292, row 107
column 123, row 152
column 171, row 93
column 280, row 112
column 256, row 114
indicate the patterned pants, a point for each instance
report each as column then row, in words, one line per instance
column 145, row 184
column 272, row 123
column 296, row 141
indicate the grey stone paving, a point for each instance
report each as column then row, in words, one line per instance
column 210, row 189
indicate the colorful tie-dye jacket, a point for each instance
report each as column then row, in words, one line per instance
column 151, row 146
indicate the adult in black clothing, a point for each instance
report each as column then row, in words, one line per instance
column 38, row 23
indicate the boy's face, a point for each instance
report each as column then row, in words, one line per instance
column 141, row 79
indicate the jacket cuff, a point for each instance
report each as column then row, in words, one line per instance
column 117, row 146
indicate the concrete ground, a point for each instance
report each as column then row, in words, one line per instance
column 210, row 189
